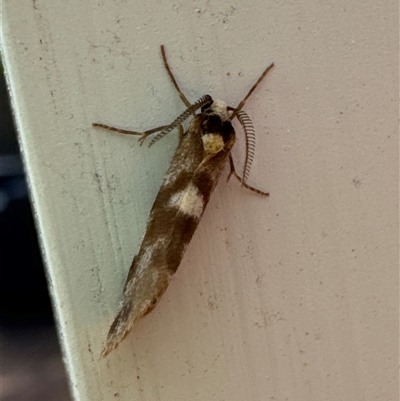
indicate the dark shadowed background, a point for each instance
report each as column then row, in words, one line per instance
column 31, row 362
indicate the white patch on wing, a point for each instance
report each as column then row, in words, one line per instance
column 176, row 200
column 190, row 201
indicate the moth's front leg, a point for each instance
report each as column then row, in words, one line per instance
column 155, row 139
column 236, row 175
column 143, row 135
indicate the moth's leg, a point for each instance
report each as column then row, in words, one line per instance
column 160, row 135
column 231, row 166
column 250, row 188
column 143, row 135
column 115, row 129
column 171, row 76
column 155, row 139
column 241, row 104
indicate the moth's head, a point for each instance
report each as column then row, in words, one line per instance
column 215, row 119
column 216, row 126
column 216, row 107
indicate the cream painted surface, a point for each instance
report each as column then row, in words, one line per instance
column 288, row 298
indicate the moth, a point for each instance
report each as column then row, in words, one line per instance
column 202, row 153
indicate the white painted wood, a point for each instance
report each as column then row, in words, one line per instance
column 289, row 298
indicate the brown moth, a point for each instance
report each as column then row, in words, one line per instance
column 202, row 153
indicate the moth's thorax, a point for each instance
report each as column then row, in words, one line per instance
column 212, row 143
